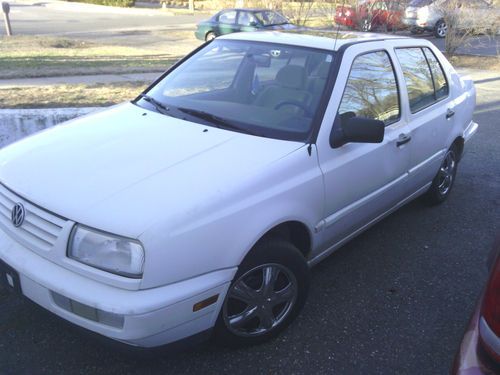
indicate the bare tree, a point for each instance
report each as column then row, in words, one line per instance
column 299, row 11
column 463, row 19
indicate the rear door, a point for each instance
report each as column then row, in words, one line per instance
column 431, row 111
column 363, row 181
column 227, row 22
column 246, row 21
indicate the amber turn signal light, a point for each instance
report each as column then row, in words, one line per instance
column 206, row 302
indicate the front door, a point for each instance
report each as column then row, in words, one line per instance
column 363, row 181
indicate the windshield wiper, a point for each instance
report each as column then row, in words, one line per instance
column 219, row 122
column 160, row 107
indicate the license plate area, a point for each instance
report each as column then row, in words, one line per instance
column 9, row 278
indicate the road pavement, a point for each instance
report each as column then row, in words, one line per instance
column 93, row 22
column 395, row 300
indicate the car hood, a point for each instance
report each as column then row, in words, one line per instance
column 121, row 169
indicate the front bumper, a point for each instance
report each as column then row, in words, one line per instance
column 471, row 358
column 145, row 318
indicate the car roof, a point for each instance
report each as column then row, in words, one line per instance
column 249, row 9
column 322, row 39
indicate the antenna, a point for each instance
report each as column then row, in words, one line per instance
column 338, row 26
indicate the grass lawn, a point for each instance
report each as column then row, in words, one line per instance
column 96, row 95
column 28, row 56
column 46, row 56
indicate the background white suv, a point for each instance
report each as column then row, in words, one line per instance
column 427, row 15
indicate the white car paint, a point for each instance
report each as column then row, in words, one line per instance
column 150, row 177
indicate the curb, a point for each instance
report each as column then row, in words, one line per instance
column 19, row 123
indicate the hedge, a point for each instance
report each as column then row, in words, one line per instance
column 113, row 3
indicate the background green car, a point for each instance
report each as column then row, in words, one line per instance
column 234, row 20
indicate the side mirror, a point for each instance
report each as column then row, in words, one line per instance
column 350, row 128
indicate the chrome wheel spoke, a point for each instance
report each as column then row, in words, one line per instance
column 284, row 295
column 270, row 275
column 242, row 318
column 241, row 291
column 267, row 318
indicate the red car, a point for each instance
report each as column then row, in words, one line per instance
column 371, row 15
column 479, row 352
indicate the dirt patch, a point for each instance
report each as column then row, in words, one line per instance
column 491, row 63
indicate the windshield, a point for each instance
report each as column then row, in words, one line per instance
column 256, row 88
column 268, row 18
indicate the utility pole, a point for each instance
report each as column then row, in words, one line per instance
column 6, row 10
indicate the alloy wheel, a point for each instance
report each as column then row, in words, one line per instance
column 442, row 29
column 260, row 300
column 447, row 173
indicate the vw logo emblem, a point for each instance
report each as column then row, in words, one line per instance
column 17, row 215
column 275, row 52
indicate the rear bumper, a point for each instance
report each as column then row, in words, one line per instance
column 415, row 23
column 470, row 131
column 145, row 318
column 199, row 34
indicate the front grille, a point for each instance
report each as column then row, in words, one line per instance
column 40, row 229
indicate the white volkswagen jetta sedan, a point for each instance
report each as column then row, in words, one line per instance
column 200, row 206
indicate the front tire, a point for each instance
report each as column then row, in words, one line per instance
column 267, row 293
column 445, row 178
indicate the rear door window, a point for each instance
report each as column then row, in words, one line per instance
column 418, row 78
column 228, row 17
column 424, row 76
column 440, row 82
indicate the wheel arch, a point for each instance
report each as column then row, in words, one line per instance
column 294, row 231
column 459, row 143
column 210, row 31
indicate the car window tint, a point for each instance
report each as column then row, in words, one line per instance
column 440, row 83
column 417, row 76
column 371, row 89
column 246, row 19
column 217, row 67
column 228, row 17
column 268, row 18
column 228, row 79
column 268, row 73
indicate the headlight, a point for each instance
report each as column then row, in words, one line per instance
column 106, row 251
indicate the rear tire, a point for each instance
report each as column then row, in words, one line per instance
column 440, row 29
column 267, row 293
column 445, row 178
column 209, row 36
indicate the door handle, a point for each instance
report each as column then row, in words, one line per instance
column 450, row 113
column 403, row 138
